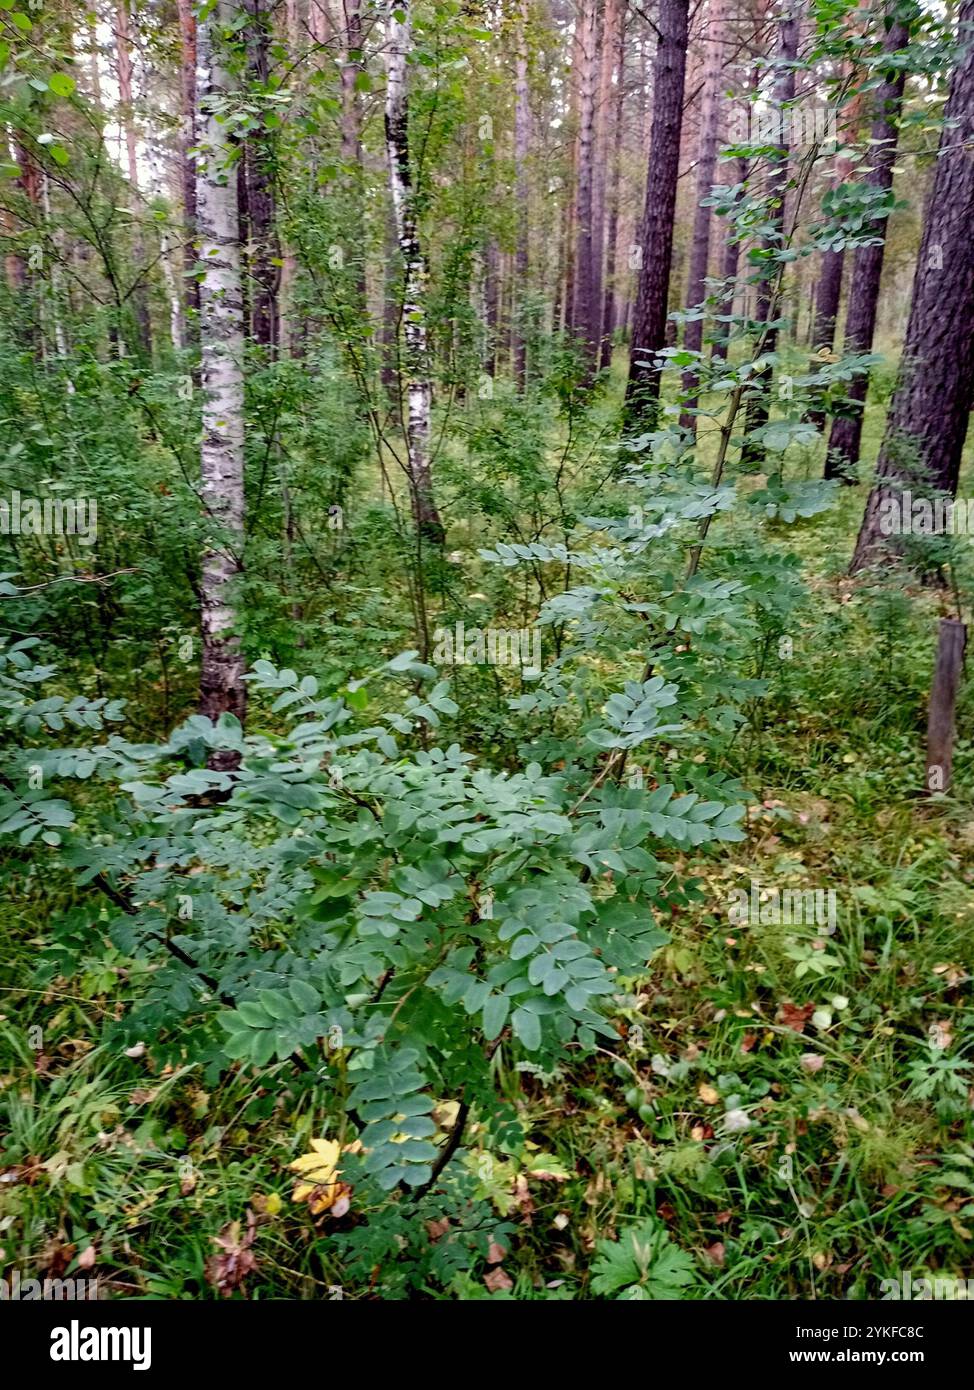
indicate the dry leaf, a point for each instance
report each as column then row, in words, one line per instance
column 228, row 1270
column 795, row 1016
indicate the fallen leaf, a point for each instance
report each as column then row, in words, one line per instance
column 319, row 1185
column 228, row 1270
column 498, row 1281
column 795, row 1016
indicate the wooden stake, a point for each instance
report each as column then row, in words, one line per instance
column 943, row 697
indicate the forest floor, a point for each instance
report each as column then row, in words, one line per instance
column 840, row 1062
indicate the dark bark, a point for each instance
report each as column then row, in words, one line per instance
column 927, row 422
column 522, row 149
column 826, row 313
column 867, row 268
column 656, row 238
column 257, row 195
column 943, row 697
column 706, row 164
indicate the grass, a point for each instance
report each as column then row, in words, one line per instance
column 797, row 1132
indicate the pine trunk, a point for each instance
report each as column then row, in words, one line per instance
column 927, row 422
column 656, row 238
column 867, row 268
column 522, row 150
column 706, row 164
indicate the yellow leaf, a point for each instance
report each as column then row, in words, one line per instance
column 318, row 1169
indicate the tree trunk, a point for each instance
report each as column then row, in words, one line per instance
column 867, row 267
column 706, row 164
column 656, row 237
column 766, row 309
column 221, row 345
column 259, row 232
column 416, row 358
column 352, row 143
column 927, row 422
column 587, row 330
column 522, row 150
column 140, row 296
column 827, row 300
column 943, row 697
column 187, row 140
column 615, row 181
column 826, row 313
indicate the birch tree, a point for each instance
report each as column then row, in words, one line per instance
column 221, row 350
column 416, row 357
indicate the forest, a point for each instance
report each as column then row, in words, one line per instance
column 487, row 776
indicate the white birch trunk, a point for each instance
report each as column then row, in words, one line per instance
column 221, row 352
column 416, row 356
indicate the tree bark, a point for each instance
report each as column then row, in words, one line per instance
column 587, row 330
column 706, row 164
column 351, row 135
column 419, row 391
column 615, row 183
column 867, row 267
column 826, row 313
column 927, row 422
column 656, row 238
column 258, row 233
column 943, row 697
column 123, row 46
column 221, row 344
column 522, row 151
column 187, row 140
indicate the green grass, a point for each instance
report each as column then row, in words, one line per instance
column 857, row 1159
